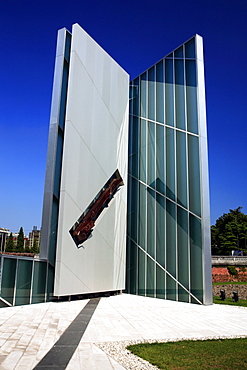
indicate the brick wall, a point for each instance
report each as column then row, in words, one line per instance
column 221, row 275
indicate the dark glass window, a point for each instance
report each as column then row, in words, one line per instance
column 23, row 282
column 190, row 49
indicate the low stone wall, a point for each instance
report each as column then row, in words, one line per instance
column 229, row 260
column 241, row 289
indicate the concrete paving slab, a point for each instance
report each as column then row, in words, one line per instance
column 27, row 333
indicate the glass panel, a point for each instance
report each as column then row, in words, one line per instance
column 183, row 295
column 179, row 94
column 23, row 282
column 133, row 268
column 151, row 93
column 133, row 209
column 142, row 230
column 134, row 150
column 160, row 159
column 8, row 279
column 50, row 283
column 170, row 164
column 136, row 97
column 58, row 166
column 141, row 272
column 160, row 102
column 171, row 238
column 190, row 49
column 160, row 283
column 63, row 98
column 131, row 97
column 160, row 230
column 144, row 95
column 183, row 257
column 130, row 146
column 169, row 93
column 194, row 174
column 128, row 262
column 171, row 288
column 53, row 231
column 143, row 151
column 67, row 46
column 191, row 96
column 129, row 210
column 150, row 278
column 150, row 222
column 196, row 280
column 181, row 168
column 39, row 282
column 178, row 53
column 151, row 155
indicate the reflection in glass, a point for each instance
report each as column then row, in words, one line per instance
column 23, row 282
column 160, row 103
column 178, row 53
column 136, row 96
column 151, row 154
column 169, row 92
column 160, row 159
column 142, row 229
column 194, row 175
column 181, row 168
column 191, row 96
column 179, row 94
column 8, row 279
column 183, row 255
column 165, row 197
column 150, row 291
column 150, row 222
column 196, row 258
column 141, row 272
column 151, row 93
column 170, row 164
column 39, row 282
column 190, row 49
column 143, row 151
column 160, row 230
column 143, row 93
column 171, row 254
column 160, row 283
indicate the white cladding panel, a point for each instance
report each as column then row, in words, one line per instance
column 95, row 145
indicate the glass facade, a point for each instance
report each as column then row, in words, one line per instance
column 166, row 218
column 24, row 281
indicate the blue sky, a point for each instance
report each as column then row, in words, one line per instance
column 136, row 34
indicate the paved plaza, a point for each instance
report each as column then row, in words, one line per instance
column 28, row 333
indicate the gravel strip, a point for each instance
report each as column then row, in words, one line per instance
column 118, row 351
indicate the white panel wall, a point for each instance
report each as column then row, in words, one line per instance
column 95, row 145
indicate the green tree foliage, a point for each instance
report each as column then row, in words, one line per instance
column 20, row 241
column 35, row 247
column 10, row 244
column 229, row 233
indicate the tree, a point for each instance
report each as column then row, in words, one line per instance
column 35, row 247
column 20, row 241
column 10, row 244
column 229, row 233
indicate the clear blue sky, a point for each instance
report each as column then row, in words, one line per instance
column 136, row 34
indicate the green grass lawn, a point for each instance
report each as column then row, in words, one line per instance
column 195, row 355
column 229, row 301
